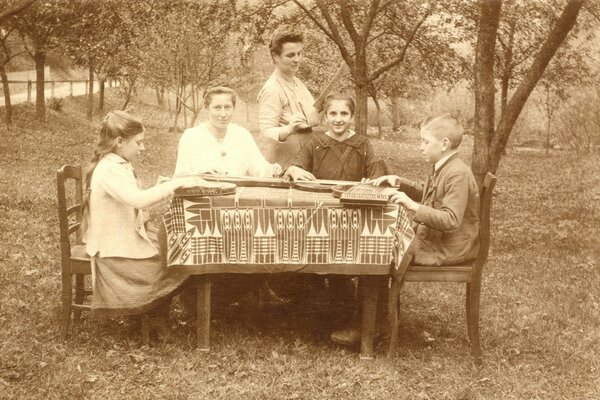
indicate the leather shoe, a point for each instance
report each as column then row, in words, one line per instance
column 347, row 337
column 268, row 296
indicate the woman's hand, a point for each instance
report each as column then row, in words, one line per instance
column 298, row 174
column 405, row 201
column 276, row 170
column 297, row 123
column 390, row 180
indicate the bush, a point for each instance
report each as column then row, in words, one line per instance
column 55, row 103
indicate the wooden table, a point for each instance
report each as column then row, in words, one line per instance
column 274, row 230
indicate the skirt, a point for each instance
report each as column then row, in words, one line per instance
column 125, row 286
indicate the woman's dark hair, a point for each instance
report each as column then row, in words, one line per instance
column 115, row 124
column 333, row 97
column 216, row 90
column 282, row 35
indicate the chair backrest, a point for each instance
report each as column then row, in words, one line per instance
column 485, row 206
column 69, row 216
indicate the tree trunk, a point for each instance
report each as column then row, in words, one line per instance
column 395, row 109
column 484, row 86
column 7, row 103
column 102, row 84
column 555, row 38
column 39, row 57
column 361, row 119
column 503, row 94
column 90, row 105
column 378, row 107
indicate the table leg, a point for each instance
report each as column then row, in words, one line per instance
column 369, row 287
column 203, row 283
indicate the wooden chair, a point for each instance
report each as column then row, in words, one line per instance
column 75, row 261
column 469, row 273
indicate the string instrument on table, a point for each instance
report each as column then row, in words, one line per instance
column 207, row 189
column 366, row 194
column 319, row 185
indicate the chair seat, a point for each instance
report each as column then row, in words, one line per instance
column 79, row 253
column 80, row 261
column 441, row 273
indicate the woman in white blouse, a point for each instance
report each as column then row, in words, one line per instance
column 129, row 277
column 219, row 146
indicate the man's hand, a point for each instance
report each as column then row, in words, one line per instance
column 298, row 174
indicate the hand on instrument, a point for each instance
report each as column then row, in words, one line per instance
column 216, row 171
column 402, row 199
column 276, row 170
column 186, row 182
column 389, row 180
column 298, row 174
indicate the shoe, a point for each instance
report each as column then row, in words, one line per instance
column 346, row 337
column 267, row 296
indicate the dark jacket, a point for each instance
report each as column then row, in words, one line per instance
column 448, row 219
column 349, row 160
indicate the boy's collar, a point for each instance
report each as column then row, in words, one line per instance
column 442, row 161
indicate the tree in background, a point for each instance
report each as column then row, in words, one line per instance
column 579, row 120
column 490, row 140
column 187, row 50
column 104, row 37
column 41, row 24
column 8, row 51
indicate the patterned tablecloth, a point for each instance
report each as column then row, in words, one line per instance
column 287, row 228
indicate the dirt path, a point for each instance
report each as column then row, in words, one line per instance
column 60, row 90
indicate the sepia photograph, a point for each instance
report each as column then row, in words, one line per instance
column 300, row 199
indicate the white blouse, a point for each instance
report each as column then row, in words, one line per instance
column 115, row 224
column 237, row 155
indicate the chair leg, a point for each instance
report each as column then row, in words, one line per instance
column 468, row 310
column 473, row 320
column 67, row 298
column 79, row 294
column 394, row 314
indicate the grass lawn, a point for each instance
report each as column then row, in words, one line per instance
column 540, row 299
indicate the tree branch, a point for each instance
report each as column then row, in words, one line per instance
column 556, row 37
column 17, row 8
column 377, row 73
column 369, row 20
column 346, row 11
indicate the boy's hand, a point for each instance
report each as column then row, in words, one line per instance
column 390, row 180
column 405, row 201
column 298, row 174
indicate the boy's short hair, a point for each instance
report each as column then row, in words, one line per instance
column 444, row 126
column 282, row 35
